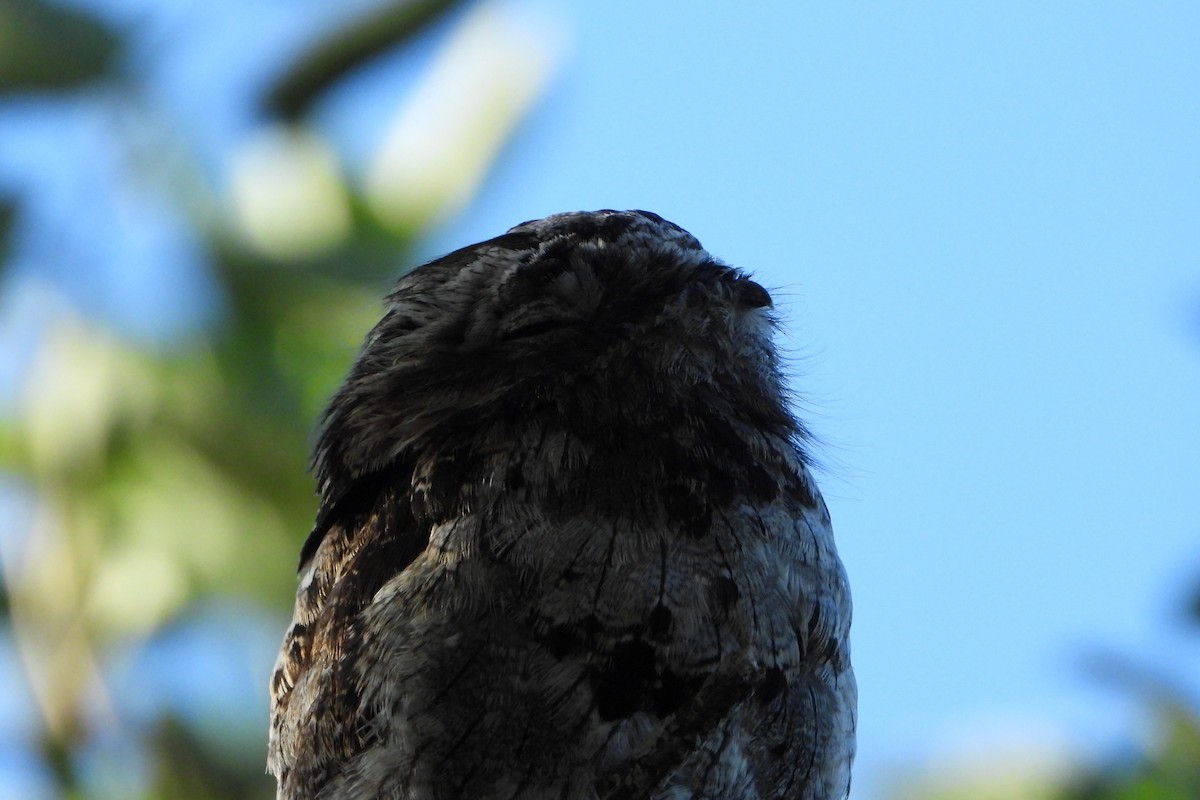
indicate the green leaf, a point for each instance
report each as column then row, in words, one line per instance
column 49, row 47
column 8, row 215
column 349, row 48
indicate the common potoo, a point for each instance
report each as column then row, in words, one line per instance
column 568, row 543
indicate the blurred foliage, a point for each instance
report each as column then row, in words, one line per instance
column 8, row 213
column 362, row 39
column 46, row 46
column 166, row 474
column 1169, row 766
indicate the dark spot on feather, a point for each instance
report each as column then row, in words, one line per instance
column 763, row 486
column 686, row 511
column 772, row 684
column 621, row 686
column 798, row 491
column 590, row 625
column 660, row 622
column 296, row 651
column 720, row 488
column 814, row 623
column 563, row 640
column 724, row 592
column 801, row 642
column 673, row 691
column 721, row 433
column 514, row 478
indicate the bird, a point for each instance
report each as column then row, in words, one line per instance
column 569, row 543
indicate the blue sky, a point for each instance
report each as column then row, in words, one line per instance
column 980, row 223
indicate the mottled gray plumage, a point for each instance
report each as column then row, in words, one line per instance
column 568, row 544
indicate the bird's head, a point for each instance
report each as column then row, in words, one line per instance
column 584, row 314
